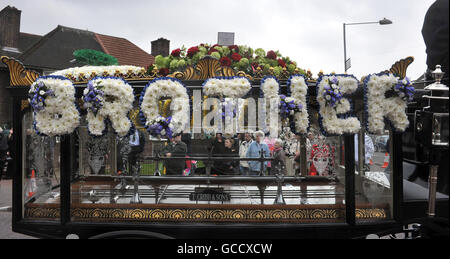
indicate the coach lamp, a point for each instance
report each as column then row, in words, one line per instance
column 431, row 130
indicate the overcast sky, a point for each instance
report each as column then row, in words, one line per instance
column 308, row 31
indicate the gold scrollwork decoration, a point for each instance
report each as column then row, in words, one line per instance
column 24, row 104
column 19, row 76
column 198, row 214
column 399, row 68
column 207, row 67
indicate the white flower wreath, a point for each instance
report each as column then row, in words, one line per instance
column 53, row 101
column 115, row 98
column 88, row 71
column 330, row 123
column 231, row 87
column 150, row 96
column 379, row 107
column 230, row 90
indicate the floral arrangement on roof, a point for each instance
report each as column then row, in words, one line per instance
column 89, row 72
column 240, row 58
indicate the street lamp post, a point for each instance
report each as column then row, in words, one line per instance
column 381, row 22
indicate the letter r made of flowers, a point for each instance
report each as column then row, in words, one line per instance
column 383, row 102
column 108, row 98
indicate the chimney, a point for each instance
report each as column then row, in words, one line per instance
column 160, row 46
column 9, row 27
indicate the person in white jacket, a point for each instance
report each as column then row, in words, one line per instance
column 243, row 147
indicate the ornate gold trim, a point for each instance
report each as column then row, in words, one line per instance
column 399, row 68
column 207, row 67
column 202, row 214
column 19, row 76
column 24, row 104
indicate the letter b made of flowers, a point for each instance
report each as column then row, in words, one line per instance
column 52, row 99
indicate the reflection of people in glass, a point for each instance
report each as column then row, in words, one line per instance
column 218, row 145
column 218, row 149
column 176, row 148
column 243, row 147
column 368, row 149
column 137, row 143
column 254, row 151
column 29, row 153
column 3, row 150
column 320, row 155
column 279, row 158
column 228, row 167
column 98, row 153
column 186, row 138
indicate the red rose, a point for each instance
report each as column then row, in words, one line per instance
column 236, row 57
column 225, row 62
column 271, row 54
column 281, row 62
column 176, row 52
column 212, row 50
column 164, row 71
column 234, row 47
column 254, row 66
column 191, row 51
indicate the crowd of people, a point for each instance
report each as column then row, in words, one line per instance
column 245, row 151
column 6, row 141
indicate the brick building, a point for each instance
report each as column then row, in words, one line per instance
column 54, row 51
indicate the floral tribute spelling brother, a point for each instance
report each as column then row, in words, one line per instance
column 109, row 99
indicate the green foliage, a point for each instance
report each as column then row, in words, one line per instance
column 215, row 55
column 260, row 52
column 94, row 58
column 250, row 60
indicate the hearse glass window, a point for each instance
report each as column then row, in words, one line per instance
column 207, row 166
column 373, row 175
column 41, row 172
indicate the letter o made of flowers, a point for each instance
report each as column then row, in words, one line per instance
column 386, row 96
column 331, row 91
column 108, row 98
column 52, row 99
column 155, row 124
